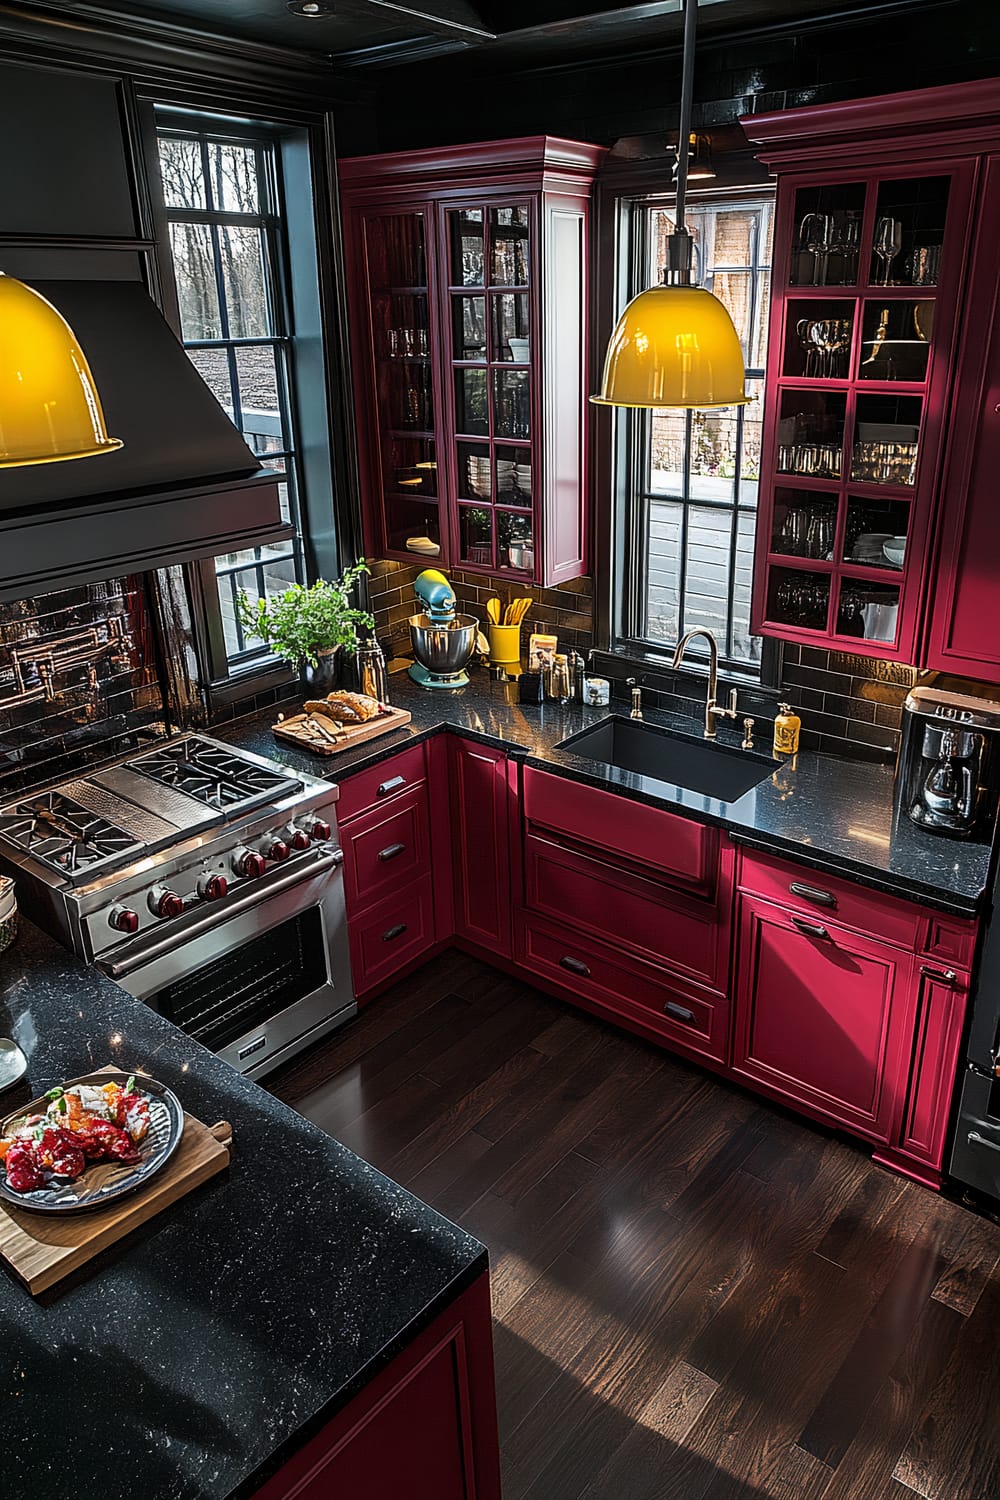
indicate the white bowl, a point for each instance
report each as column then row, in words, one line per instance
column 895, row 550
column 519, row 351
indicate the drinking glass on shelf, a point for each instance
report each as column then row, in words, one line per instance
column 888, row 243
column 794, row 531
column 819, row 538
column 845, row 240
column 814, row 236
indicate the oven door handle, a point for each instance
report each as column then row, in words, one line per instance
column 221, row 912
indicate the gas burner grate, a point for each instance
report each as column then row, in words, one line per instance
column 210, row 774
column 63, row 835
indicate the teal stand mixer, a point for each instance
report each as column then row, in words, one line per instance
column 442, row 641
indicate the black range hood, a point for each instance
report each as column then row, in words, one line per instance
column 184, row 485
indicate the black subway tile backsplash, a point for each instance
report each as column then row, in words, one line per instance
column 566, row 611
column 78, row 680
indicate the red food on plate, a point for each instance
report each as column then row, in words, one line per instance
column 88, row 1123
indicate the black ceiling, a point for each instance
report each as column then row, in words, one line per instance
column 369, row 33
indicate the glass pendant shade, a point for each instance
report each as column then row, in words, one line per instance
column 674, row 346
column 49, row 406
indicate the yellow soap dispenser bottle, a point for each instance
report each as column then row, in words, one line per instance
column 786, row 731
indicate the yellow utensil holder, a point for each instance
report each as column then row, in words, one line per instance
column 505, row 647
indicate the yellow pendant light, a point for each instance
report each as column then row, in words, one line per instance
column 49, row 406
column 675, row 344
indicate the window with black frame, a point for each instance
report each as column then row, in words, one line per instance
column 222, row 195
column 687, row 490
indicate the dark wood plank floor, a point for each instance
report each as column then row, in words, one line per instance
column 696, row 1296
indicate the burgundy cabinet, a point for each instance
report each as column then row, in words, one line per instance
column 483, row 800
column 876, row 529
column 939, row 997
column 467, row 271
column 961, row 636
column 818, row 1019
column 851, row 1003
column 424, row 1428
column 626, row 911
column 384, row 817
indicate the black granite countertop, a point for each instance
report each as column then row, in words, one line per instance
column 190, row 1361
column 831, row 813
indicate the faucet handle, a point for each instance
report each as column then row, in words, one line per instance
column 636, row 697
column 747, row 734
column 733, row 710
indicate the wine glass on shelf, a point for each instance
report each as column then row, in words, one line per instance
column 888, row 243
column 814, row 237
column 845, row 238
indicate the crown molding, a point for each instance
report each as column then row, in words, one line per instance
column 154, row 51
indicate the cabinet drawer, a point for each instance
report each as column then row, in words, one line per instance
column 625, row 910
column 391, row 934
column 680, row 850
column 950, row 940
column 657, row 1003
column 386, row 848
column 819, row 896
column 372, row 788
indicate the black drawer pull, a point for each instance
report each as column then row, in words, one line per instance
column 575, row 966
column 975, row 1139
column 390, row 785
column 391, row 851
column 942, row 976
column 394, row 932
column 811, row 929
column 812, row 893
column 679, row 1012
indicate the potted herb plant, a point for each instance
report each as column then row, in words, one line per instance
column 312, row 628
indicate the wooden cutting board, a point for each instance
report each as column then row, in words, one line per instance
column 303, row 730
column 44, row 1248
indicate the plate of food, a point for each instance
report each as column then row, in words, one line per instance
column 88, row 1142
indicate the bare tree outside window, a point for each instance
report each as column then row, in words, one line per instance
column 223, row 209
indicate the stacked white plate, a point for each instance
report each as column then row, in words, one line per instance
column 478, row 472
column 868, row 548
column 523, row 472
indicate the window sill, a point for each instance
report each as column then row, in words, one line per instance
column 636, row 659
column 261, row 677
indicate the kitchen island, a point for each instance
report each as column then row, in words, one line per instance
column 197, row 1358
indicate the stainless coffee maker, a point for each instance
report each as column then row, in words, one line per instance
column 949, row 760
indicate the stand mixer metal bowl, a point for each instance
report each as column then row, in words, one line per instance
column 444, row 650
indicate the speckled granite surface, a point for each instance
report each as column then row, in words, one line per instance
column 188, row 1363
column 829, row 812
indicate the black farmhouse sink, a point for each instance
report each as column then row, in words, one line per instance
column 697, row 765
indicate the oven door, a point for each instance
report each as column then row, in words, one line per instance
column 262, row 981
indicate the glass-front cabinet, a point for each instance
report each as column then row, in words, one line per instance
column 468, row 287
column 868, row 268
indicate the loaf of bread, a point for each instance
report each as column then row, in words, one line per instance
column 345, row 708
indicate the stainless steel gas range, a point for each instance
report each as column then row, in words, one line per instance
column 205, row 880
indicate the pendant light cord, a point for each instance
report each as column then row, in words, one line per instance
column 677, row 271
column 687, row 100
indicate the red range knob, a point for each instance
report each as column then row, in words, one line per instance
column 212, row 887
column 277, row 851
column 123, row 920
column 248, row 864
column 319, row 830
column 164, row 903
column 298, row 838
